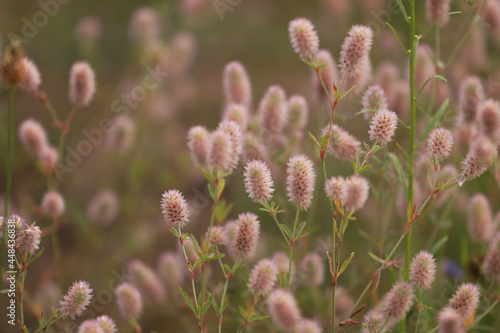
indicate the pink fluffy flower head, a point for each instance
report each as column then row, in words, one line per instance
column 303, row 37
column 423, row 270
column 174, row 208
column 263, row 277
column 219, row 151
column 374, row 99
column 247, row 235
column 297, row 112
column 53, row 204
column 217, row 235
column 121, row 135
column 258, row 181
column 398, row 301
column 342, row 145
column 449, row 321
column 129, row 300
column 479, row 218
column 471, row 96
column 235, row 134
column 492, row 260
column 237, row 87
column 104, row 207
column 383, row 127
column 90, row 326
column 76, row 299
column 33, row 136
column 483, row 150
column 466, row 300
column 197, row 141
column 107, row 324
column 308, row 326
column 437, row 9
column 300, row 181
column 283, row 309
column 30, row 76
column 28, row 239
column 147, row 281
column 237, row 113
column 356, row 193
column 335, row 189
column 355, row 49
column 489, row 119
column 440, row 143
column 374, row 320
column 171, row 268
column 81, row 84
column 272, row 110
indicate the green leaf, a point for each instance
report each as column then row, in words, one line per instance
column 216, row 308
column 363, row 169
column 212, row 256
column 397, row 37
column 208, row 176
column 199, row 261
column 208, row 303
column 35, row 257
column 439, row 245
column 220, row 188
column 440, row 77
column 228, row 269
column 314, row 139
column 323, row 142
column 433, row 121
column 403, row 10
column 195, row 242
column 212, row 191
column 258, row 318
column 286, row 230
column 188, row 300
column 399, row 170
column 281, row 280
column 365, row 111
column 299, row 230
column 243, row 312
column 439, row 19
column 175, row 232
column 345, row 263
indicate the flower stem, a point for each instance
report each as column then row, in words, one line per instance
column 292, row 242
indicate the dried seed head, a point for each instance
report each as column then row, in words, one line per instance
column 28, row 239
column 258, row 181
column 356, row 193
column 237, row 87
column 33, row 136
column 303, row 37
column 53, row 204
column 342, row 145
column 335, row 189
column 147, row 281
column 313, row 269
column 308, row 326
column 283, row 309
column 247, row 236
column 374, row 321
column 145, row 26
column 355, row 50
column 10, row 69
column 107, row 324
column 253, row 149
column 48, row 157
column 383, row 127
column 197, row 141
column 450, row 322
column 81, row 84
column 217, row 235
column 76, row 300
column 300, row 181
column 440, row 143
column 489, row 119
column 90, row 326
column 263, row 277
column 471, row 96
column 129, row 300
column 374, row 99
column 479, row 218
column 437, row 9
column 398, row 301
column 104, row 208
column 297, row 112
column 423, row 270
column 170, row 269
column 30, row 76
column 329, row 74
column 492, row 260
column 234, row 130
column 174, row 208
column 121, row 134
column 237, row 113
column 219, row 151
column 465, row 300
column 272, row 110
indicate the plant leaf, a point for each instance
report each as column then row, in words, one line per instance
column 440, row 77
column 345, row 263
column 397, row 37
column 188, row 300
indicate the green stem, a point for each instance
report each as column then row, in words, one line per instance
column 292, row 243
column 192, row 272
column 64, row 132
column 21, row 295
column 223, row 300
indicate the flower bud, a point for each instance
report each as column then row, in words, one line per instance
column 129, row 300
column 489, row 119
column 234, row 130
column 303, row 37
column 356, row 193
column 449, row 321
column 398, row 301
column 297, row 112
column 217, row 235
column 437, row 9
column 147, row 281
column 219, row 151
column 308, row 326
column 300, row 181
column 423, row 270
column 342, row 145
column 81, row 84
column 170, row 269
column 33, row 136
column 329, row 74
column 28, row 239
column 272, row 110
column 237, row 86
column 247, row 236
column 335, row 189
column 313, row 269
column 90, row 326
column 175, row 209
column 440, row 143
column 263, row 277
column 355, row 49
column 30, row 76
column 237, row 113
column 121, row 135
column 383, row 127
column 258, row 181
column 53, row 204
column 374, row 99
column 471, row 96
column 107, row 324
column 76, row 300
column 104, row 208
column 466, row 300
column 197, row 141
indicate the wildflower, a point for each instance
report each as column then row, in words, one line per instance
column 107, row 324
column 129, row 300
column 355, row 49
column 489, row 119
column 303, row 37
column 297, row 112
column 237, row 113
column 374, row 99
column 237, row 87
column 219, row 154
column 373, row 321
column 308, row 326
column 76, row 299
column 121, row 135
column 335, row 189
column 53, row 204
column 30, row 76
column 81, row 84
column 258, row 181
column 440, row 143
column 263, row 277
column 33, row 136
column 147, row 281
column 342, row 145
column 253, row 149
column 300, row 181
column 197, row 141
column 471, row 95
column 234, row 130
column 145, row 26
column 180, row 54
column 89, row 30
column 217, row 235
column 328, row 73
column 28, row 239
column 465, row 300
column 90, row 326
column 283, row 309
column 383, row 126
column 170, row 269
column 247, row 236
column 313, row 269
column 282, row 261
column 398, row 301
column 483, row 150
column 479, row 219
column 104, row 207
column 423, row 270
column 272, row 110
column 48, row 157
column 356, row 193
column 437, row 9
column 449, row 321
